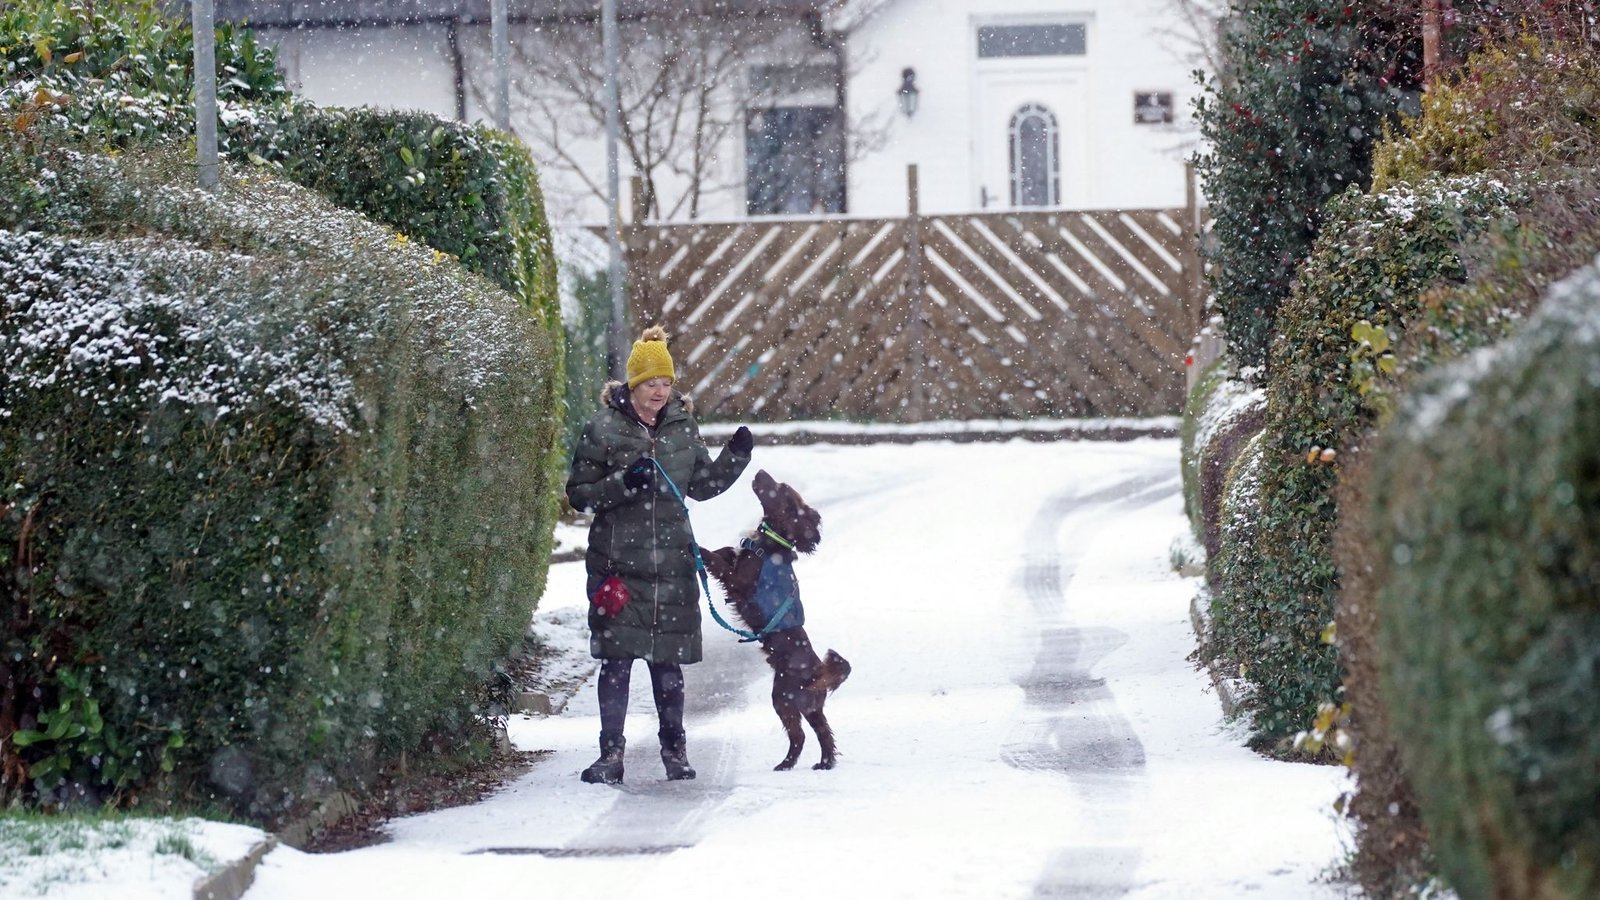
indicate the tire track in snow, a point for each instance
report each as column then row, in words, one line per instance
column 1070, row 724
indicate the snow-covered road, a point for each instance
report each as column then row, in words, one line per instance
column 1021, row 720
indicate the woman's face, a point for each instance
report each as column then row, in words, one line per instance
column 650, row 396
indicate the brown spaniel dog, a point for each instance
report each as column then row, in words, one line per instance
column 758, row 578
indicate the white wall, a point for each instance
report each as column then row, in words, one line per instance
column 402, row 67
column 1121, row 166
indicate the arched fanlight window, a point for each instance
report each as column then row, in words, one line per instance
column 1035, row 157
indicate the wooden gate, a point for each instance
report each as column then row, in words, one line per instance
column 992, row 315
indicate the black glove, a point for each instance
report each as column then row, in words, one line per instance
column 640, row 475
column 742, row 441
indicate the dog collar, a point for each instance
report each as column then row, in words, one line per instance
column 766, row 529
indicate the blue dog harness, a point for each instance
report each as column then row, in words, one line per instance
column 777, row 591
column 783, row 607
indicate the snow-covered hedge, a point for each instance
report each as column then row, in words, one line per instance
column 1361, row 288
column 274, row 483
column 1223, row 412
column 1236, row 566
column 1485, row 520
column 466, row 190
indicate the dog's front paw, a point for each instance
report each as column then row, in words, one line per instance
column 784, row 766
column 718, row 563
column 825, row 764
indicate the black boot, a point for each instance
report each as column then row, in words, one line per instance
column 675, row 755
column 608, row 768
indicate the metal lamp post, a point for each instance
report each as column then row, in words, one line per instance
column 615, row 335
column 499, row 36
column 203, row 17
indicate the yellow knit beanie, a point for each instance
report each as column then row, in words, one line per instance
column 650, row 358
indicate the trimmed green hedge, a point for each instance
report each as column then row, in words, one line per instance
column 586, row 351
column 1521, row 108
column 345, row 414
column 280, row 479
column 1486, row 507
column 1362, row 287
column 465, row 190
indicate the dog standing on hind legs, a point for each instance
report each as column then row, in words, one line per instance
column 757, row 577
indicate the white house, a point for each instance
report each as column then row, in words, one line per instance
column 1081, row 104
column 1076, row 103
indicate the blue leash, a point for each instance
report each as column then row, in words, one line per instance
column 745, row 637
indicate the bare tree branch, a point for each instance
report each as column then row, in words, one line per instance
column 688, row 82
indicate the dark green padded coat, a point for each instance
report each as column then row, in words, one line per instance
column 643, row 537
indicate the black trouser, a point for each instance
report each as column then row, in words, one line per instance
column 666, row 683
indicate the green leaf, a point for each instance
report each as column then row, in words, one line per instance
column 26, row 738
column 46, row 766
column 58, row 727
column 405, row 155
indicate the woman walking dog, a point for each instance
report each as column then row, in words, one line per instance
column 644, row 593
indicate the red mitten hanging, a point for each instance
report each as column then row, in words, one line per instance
column 611, row 597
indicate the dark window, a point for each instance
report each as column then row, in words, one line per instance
column 792, row 164
column 781, row 82
column 1031, row 40
column 1035, row 157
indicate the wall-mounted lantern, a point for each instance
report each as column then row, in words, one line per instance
column 908, row 93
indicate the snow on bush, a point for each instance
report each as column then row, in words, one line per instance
column 76, row 311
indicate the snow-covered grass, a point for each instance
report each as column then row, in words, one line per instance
column 92, row 856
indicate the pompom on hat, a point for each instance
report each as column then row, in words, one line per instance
column 650, row 358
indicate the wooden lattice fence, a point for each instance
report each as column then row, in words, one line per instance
column 992, row 315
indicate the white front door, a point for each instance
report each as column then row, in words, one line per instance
column 1030, row 125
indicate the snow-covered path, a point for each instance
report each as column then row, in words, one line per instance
column 1021, row 720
